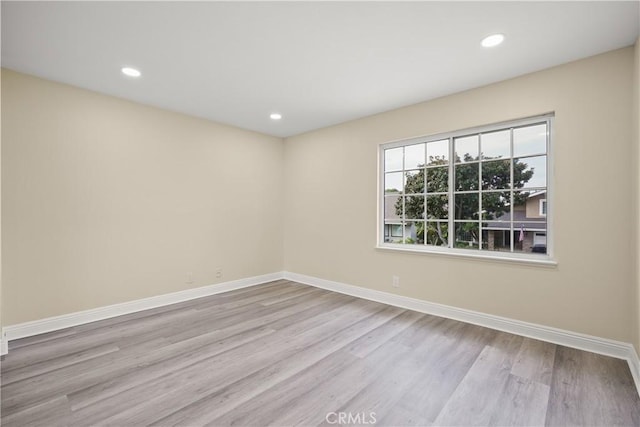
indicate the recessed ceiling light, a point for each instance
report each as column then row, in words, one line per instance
column 275, row 116
column 492, row 40
column 131, row 72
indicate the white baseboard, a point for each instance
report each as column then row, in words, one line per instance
column 634, row 366
column 617, row 349
column 27, row 329
column 4, row 344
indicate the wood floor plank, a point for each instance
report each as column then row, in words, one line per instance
column 382, row 396
column 171, row 358
column 523, row 403
column 290, row 366
column 34, row 390
column 535, row 361
column 39, row 339
column 480, row 394
column 247, row 317
column 284, row 353
column 402, row 417
column 41, row 368
column 455, row 348
column 226, row 367
column 336, row 344
column 379, row 336
column 42, row 414
column 590, row 389
column 311, row 406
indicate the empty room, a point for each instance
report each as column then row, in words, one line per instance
column 320, row 213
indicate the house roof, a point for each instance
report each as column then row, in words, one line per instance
column 520, row 220
column 501, row 223
column 536, row 194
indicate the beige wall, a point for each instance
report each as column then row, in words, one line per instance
column 330, row 213
column 106, row 201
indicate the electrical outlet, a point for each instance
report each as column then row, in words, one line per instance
column 189, row 277
column 395, row 281
column 219, row 273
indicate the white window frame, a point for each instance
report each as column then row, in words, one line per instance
column 542, row 207
column 527, row 258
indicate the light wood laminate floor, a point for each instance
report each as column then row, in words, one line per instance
column 288, row 354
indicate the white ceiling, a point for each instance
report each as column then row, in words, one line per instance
column 316, row 63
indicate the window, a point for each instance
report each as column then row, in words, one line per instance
column 481, row 191
column 543, row 207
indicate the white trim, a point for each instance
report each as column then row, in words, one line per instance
column 4, row 344
column 542, row 207
column 547, row 119
column 617, row 349
column 509, row 257
column 27, row 329
column 634, row 366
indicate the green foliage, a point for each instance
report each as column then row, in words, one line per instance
column 437, row 233
column 496, row 175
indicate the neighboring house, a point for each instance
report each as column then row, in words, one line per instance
column 393, row 222
column 529, row 220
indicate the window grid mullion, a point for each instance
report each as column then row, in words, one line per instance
column 404, row 198
column 451, row 183
column 511, row 200
column 480, row 157
column 424, row 190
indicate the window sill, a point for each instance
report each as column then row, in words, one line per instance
column 541, row 261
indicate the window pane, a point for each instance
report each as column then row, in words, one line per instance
column 438, row 207
column 466, row 235
column 393, row 182
column 392, row 207
column 437, row 233
column 520, row 203
column 437, row 180
column 530, row 172
column 414, row 182
column 530, row 140
column 414, row 233
column 496, row 206
column 438, row 152
column 496, row 174
column 467, row 177
column 466, row 148
column 393, row 159
column 392, row 232
column 539, row 243
column 414, row 207
column 497, row 239
column 414, row 156
column 496, row 144
column 527, row 220
column 466, row 206
column 522, row 239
